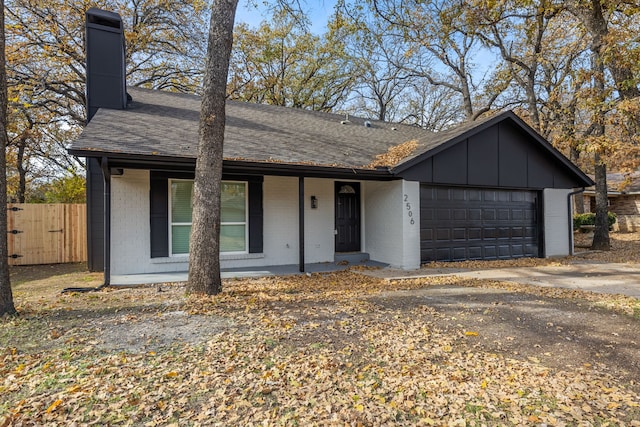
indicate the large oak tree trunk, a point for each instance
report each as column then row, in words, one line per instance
column 204, row 249
column 601, row 239
column 6, row 297
column 592, row 15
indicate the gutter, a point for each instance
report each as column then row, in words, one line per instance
column 106, row 174
column 573, row 193
column 147, row 161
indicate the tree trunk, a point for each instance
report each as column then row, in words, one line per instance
column 578, row 199
column 593, row 18
column 601, row 236
column 22, row 172
column 6, row 297
column 204, row 247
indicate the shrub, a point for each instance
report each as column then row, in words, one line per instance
column 590, row 219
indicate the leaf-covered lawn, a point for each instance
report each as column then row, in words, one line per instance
column 319, row 350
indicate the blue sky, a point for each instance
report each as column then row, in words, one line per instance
column 317, row 10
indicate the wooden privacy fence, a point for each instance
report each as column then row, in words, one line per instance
column 46, row 233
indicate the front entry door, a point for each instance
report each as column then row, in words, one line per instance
column 347, row 217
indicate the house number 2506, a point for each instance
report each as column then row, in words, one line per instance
column 407, row 205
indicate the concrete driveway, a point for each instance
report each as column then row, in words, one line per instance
column 609, row 278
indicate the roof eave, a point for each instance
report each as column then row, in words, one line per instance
column 141, row 161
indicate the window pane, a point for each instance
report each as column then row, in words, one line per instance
column 181, row 193
column 233, row 202
column 180, row 239
column 232, row 238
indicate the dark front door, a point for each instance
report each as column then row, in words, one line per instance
column 347, row 217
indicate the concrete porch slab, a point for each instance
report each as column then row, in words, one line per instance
column 277, row 270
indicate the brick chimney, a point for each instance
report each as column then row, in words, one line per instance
column 105, row 50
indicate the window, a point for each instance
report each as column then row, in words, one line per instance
column 233, row 219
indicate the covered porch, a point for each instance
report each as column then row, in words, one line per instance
column 231, row 273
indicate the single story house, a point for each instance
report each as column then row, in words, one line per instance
column 623, row 192
column 306, row 187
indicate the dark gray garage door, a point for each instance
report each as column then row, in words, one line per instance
column 471, row 223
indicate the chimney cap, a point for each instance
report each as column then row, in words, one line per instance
column 104, row 17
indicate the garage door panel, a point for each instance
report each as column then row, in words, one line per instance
column 443, row 254
column 443, row 214
column 459, row 254
column 475, row 214
column 489, row 252
column 475, row 252
column 488, row 214
column 459, row 214
column 504, row 233
column 426, row 234
column 477, row 223
column 459, row 234
column 530, row 232
column 475, row 233
column 489, row 196
column 426, row 214
column 474, row 195
column 458, row 194
column 443, row 234
column 504, row 251
column 443, row 194
column 489, row 233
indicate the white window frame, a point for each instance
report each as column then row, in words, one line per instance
column 245, row 222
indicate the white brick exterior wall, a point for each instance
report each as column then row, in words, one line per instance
column 319, row 240
column 556, row 223
column 130, row 224
column 391, row 237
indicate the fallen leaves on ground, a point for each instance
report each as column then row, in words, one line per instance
column 301, row 350
column 625, row 248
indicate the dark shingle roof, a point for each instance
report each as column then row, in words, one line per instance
column 163, row 127
column 166, row 124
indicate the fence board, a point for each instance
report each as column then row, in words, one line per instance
column 48, row 233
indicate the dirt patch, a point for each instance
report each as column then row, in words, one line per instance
column 561, row 334
column 28, row 273
column 154, row 333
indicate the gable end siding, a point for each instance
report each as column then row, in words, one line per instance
column 501, row 156
column 159, row 210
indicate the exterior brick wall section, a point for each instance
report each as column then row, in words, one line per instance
column 627, row 208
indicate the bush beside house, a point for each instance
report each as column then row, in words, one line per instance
column 589, row 219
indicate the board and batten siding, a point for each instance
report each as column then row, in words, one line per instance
column 392, row 237
column 557, row 237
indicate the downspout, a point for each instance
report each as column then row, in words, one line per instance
column 106, row 174
column 570, row 210
column 301, row 221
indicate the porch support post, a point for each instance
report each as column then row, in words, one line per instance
column 106, row 173
column 301, row 221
